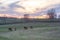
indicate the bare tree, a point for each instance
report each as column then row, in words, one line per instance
column 52, row 13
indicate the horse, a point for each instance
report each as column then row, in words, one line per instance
column 10, row 29
column 31, row 27
column 25, row 28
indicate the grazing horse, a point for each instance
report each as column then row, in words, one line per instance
column 14, row 28
column 25, row 28
column 31, row 27
column 10, row 29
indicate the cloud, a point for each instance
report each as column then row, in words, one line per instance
column 19, row 7
column 10, row 9
column 14, row 5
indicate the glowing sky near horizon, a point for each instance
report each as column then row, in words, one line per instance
column 29, row 6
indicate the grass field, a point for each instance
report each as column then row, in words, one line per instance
column 40, row 31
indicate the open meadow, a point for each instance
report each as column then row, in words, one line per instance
column 40, row 31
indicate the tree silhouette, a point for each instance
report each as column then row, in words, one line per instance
column 51, row 13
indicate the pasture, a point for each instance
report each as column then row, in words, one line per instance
column 40, row 31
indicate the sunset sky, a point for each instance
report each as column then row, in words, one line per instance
column 17, row 8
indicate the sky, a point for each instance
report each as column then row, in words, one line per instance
column 17, row 8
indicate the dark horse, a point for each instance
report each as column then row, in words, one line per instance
column 10, row 29
column 25, row 28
